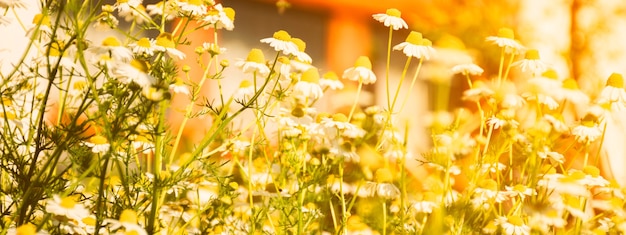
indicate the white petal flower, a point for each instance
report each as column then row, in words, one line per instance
column 362, row 71
column 281, row 42
column 416, row 46
column 391, row 18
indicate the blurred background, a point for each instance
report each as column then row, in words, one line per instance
column 579, row 39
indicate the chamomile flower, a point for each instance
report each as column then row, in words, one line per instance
column 157, row 9
column 211, row 48
column 152, row 93
column 330, row 80
column 143, row 144
column 487, row 193
column 532, row 63
column 41, row 24
column 498, row 121
column 114, row 48
column 254, row 63
column 520, row 191
column 467, row 69
column 613, row 93
column 179, row 87
column 164, row 43
column 361, row 72
column 300, row 54
column 543, row 99
column 548, row 219
column 513, row 225
column 192, row 8
column 57, row 54
column 588, row 130
column 134, row 72
column 506, row 39
column 548, row 82
column 203, row 193
column 12, row 4
column 416, row 46
column 245, row 91
column 281, row 42
column 427, row 204
column 220, row 17
column 66, row 208
column 137, row 15
column 391, row 18
column 308, row 88
column 106, row 21
column 479, row 91
column 98, row 144
column 127, row 223
column 124, row 7
column 551, row 155
column 144, row 47
column 569, row 91
column 383, row 187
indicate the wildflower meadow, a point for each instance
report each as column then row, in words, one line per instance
column 87, row 146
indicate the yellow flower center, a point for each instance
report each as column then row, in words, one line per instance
column 298, row 111
column 506, row 33
column 592, row 171
column 282, row 35
column 519, row 188
column 429, row 196
column 128, row 216
column 6, row 101
column 41, row 19
column 301, row 44
column 79, row 85
column 311, row 75
column 259, row 164
column 230, row 13
column 245, row 84
column 132, row 232
column 331, row 76
column 256, row 55
column 515, row 220
column 414, row 38
column 165, row 40
column 68, row 203
column 10, row 115
column 340, row 117
column 393, row 12
column 111, row 42
column 384, row 175
column 532, row 54
column 122, row 1
column 576, row 175
column 55, row 48
column 363, row 61
column 489, row 184
column 354, row 223
column 89, row 221
column 550, row 73
column 195, row 2
column 141, row 65
column 26, row 229
column 426, row 42
column 552, row 214
column 570, row 84
column 144, row 42
column 615, row 80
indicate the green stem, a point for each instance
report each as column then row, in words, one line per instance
column 356, row 100
column 387, row 67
